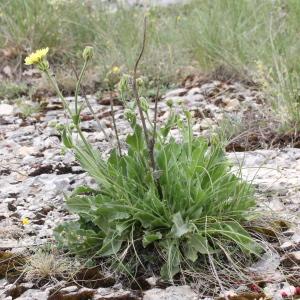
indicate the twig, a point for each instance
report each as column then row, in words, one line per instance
column 114, row 122
column 90, row 106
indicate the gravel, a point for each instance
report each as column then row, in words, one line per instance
column 34, row 173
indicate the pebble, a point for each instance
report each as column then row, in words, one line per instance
column 69, row 289
column 6, row 109
column 171, row 293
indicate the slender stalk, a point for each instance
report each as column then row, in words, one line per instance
column 86, row 143
column 90, row 107
column 78, row 86
column 60, row 95
column 66, row 105
column 150, row 144
column 114, row 123
column 155, row 118
column 134, row 86
column 159, row 188
column 137, row 97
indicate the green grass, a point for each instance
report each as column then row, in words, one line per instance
column 67, row 27
column 11, row 90
column 204, row 34
column 241, row 33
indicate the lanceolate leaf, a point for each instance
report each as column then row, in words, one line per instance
column 180, row 227
column 235, row 232
column 136, row 140
column 197, row 244
column 150, row 237
column 172, row 264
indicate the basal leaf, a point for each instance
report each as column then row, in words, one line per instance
column 78, row 204
column 179, row 227
column 136, row 140
column 150, row 237
column 111, row 246
column 172, row 264
column 234, row 231
column 195, row 244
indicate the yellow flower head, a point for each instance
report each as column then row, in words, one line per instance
column 25, row 221
column 116, row 70
column 36, row 57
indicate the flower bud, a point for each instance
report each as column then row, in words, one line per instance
column 129, row 115
column 123, row 84
column 170, row 103
column 144, row 104
column 59, row 127
column 139, row 82
column 88, row 53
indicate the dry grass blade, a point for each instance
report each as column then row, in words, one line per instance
column 48, row 265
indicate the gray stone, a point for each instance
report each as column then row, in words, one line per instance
column 34, row 294
column 6, row 109
column 69, row 289
column 171, row 293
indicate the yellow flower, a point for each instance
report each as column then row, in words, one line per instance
column 36, row 57
column 116, row 70
column 25, row 221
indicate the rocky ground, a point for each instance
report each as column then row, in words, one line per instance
column 34, row 174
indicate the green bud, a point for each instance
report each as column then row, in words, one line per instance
column 170, row 103
column 140, row 82
column 123, row 84
column 88, row 53
column 59, row 127
column 129, row 115
column 188, row 114
column 144, row 104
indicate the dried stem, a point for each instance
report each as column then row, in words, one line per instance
column 137, row 97
column 155, row 117
column 114, row 122
column 159, row 189
column 150, row 143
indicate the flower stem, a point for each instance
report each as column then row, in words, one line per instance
column 60, row 95
column 114, row 123
column 67, row 107
column 78, row 86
